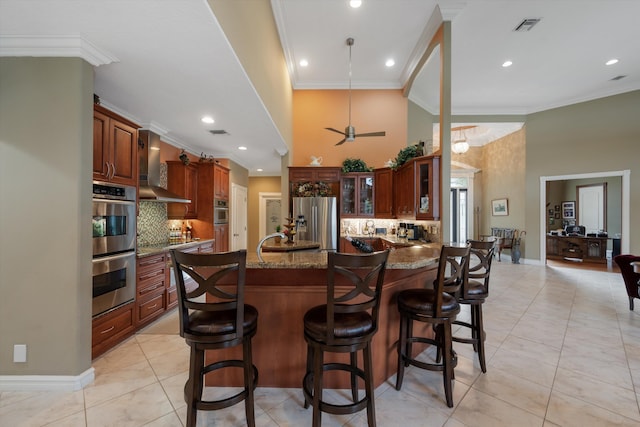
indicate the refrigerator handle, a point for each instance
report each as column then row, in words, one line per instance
column 314, row 219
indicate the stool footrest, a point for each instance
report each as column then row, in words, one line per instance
column 346, row 409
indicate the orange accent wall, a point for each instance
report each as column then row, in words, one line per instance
column 371, row 111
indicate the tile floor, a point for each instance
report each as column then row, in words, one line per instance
column 563, row 350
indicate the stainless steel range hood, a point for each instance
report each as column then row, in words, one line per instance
column 149, row 169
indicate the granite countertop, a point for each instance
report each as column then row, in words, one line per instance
column 391, row 238
column 417, row 256
column 297, row 245
column 147, row 250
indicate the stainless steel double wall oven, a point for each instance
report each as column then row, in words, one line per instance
column 114, row 245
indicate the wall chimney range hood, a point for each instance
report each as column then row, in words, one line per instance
column 149, row 169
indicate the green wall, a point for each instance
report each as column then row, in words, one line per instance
column 597, row 136
column 46, row 133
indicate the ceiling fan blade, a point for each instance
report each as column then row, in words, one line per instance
column 341, row 142
column 336, row 131
column 372, row 134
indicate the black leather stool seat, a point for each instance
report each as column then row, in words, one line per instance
column 221, row 322
column 347, row 325
column 418, row 301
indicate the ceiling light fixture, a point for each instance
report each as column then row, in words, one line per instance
column 208, row 120
column 304, row 63
column 460, row 145
column 612, row 61
column 390, row 63
column 355, row 3
column 242, row 147
column 507, row 63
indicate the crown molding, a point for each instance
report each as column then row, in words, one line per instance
column 56, row 46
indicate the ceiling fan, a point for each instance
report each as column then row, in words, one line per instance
column 350, row 132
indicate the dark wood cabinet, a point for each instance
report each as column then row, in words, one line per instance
column 383, row 193
column 183, row 180
column 151, row 288
column 356, row 195
column 111, row 328
column 427, row 173
column 417, row 189
column 222, row 237
column 220, row 182
column 115, row 148
column 313, row 174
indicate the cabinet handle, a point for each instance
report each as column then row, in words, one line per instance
column 153, row 306
column 113, row 170
column 108, row 330
column 108, row 169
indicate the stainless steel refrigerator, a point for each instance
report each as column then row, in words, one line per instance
column 317, row 220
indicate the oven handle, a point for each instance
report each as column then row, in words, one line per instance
column 114, row 201
column 115, row 257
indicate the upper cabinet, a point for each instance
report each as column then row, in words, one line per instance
column 417, row 189
column 220, row 182
column 115, row 148
column 383, row 193
column 183, row 180
column 356, row 195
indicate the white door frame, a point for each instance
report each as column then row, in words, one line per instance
column 238, row 222
column 262, row 210
column 626, row 206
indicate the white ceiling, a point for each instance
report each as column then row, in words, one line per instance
column 167, row 63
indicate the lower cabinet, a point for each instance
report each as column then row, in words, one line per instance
column 151, row 286
column 222, row 237
column 111, row 328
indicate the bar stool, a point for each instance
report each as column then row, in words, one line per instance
column 474, row 291
column 221, row 322
column 345, row 324
column 438, row 307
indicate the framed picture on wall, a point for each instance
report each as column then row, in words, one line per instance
column 569, row 210
column 499, row 207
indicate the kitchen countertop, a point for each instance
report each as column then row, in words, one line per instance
column 297, row 245
column 147, row 250
column 391, row 238
column 405, row 258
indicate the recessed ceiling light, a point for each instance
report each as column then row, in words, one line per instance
column 304, row 62
column 355, row 3
column 259, row 170
column 390, row 63
column 612, row 61
column 507, row 63
column 208, row 119
column 242, row 147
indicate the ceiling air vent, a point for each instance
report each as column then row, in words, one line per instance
column 618, row 77
column 219, row 132
column 527, row 24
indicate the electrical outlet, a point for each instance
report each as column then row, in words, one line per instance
column 19, row 353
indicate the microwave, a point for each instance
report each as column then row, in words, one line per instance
column 220, row 212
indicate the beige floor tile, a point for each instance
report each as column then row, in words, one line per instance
column 114, row 383
column 171, row 363
column 479, row 409
column 42, row 408
column 520, row 347
column 79, row 419
column 174, row 388
column 616, row 399
column 567, row 411
column 126, row 354
column 135, row 408
column 156, row 345
column 524, row 394
column 169, row 420
column 605, row 371
column 524, row 367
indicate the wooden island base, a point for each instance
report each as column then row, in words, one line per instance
column 282, row 296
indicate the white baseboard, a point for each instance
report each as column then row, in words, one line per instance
column 46, row 382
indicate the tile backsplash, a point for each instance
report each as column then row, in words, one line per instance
column 153, row 227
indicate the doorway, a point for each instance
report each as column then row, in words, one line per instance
column 269, row 212
column 458, row 212
column 625, row 208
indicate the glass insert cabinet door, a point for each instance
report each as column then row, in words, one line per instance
column 428, row 188
column 356, row 195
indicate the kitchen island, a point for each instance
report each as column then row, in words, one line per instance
column 287, row 284
column 283, row 246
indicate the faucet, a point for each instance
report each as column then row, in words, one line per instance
column 261, row 242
